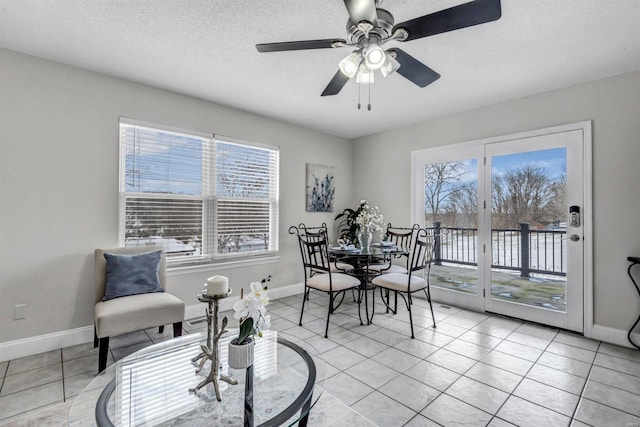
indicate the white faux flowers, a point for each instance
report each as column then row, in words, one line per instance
column 251, row 311
column 369, row 218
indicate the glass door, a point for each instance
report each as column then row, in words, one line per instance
column 509, row 212
column 535, row 251
column 448, row 206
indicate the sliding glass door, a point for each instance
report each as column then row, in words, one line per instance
column 509, row 213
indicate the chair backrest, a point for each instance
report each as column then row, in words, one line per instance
column 314, row 233
column 313, row 248
column 423, row 250
column 401, row 236
column 101, row 266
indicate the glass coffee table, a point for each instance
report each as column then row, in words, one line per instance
column 151, row 387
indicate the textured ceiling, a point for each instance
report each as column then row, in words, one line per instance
column 207, row 49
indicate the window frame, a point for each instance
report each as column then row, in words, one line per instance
column 209, row 197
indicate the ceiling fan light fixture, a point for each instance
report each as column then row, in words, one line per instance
column 374, row 56
column 349, row 65
column 390, row 65
column 365, row 75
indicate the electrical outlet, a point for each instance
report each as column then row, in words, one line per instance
column 19, row 311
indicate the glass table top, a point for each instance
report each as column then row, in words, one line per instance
column 375, row 250
column 151, row 386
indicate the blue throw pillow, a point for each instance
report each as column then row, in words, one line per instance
column 132, row 274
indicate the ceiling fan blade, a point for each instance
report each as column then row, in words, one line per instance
column 300, row 45
column 414, row 70
column 361, row 10
column 457, row 17
column 336, row 84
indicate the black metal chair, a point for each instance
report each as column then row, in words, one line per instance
column 401, row 237
column 315, row 259
column 405, row 284
column 318, row 233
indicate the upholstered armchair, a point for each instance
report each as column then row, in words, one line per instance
column 134, row 299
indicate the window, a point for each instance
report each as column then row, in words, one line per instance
column 203, row 198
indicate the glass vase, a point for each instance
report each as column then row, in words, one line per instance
column 364, row 237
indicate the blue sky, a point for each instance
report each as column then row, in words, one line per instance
column 554, row 161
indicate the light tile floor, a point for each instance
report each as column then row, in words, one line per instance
column 473, row 369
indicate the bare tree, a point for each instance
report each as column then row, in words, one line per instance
column 441, row 181
column 557, row 208
column 464, row 203
column 499, row 203
column 522, row 195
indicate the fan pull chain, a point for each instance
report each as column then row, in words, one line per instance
column 369, row 88
column 359, row 96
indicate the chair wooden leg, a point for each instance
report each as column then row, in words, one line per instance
column 103, row 351
column 161, row 329
column 305, row 296
column 177, row 329
column 95, row 337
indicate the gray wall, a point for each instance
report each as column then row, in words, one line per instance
column 59, row 185
column 59, row 180
column 613, row 106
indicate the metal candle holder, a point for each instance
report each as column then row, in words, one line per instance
column 210, row 351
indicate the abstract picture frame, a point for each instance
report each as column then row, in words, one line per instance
column 320, row 188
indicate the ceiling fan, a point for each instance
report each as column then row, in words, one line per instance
column 369, row 27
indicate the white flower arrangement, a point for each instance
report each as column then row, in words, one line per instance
column 369, row 217
column 250, row 312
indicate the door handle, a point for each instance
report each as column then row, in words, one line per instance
column 574, row 237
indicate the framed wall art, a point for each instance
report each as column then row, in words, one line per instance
column 320, row 188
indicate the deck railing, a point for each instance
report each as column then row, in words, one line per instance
column 520, row 249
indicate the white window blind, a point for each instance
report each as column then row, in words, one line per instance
column 202, row 198
column 246, row 198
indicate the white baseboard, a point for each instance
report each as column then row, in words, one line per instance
column 39, row 344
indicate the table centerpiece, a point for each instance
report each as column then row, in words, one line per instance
column 358, row 225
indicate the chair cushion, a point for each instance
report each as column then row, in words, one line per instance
column 399, row 282
column 131, row 313
column 339, row 282
column 380, row 268
column 132, row 274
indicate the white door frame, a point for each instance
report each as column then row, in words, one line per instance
column 417, row 194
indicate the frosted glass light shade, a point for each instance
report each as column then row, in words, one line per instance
column 365, row 75
column 349, row 65
column 390, row 65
